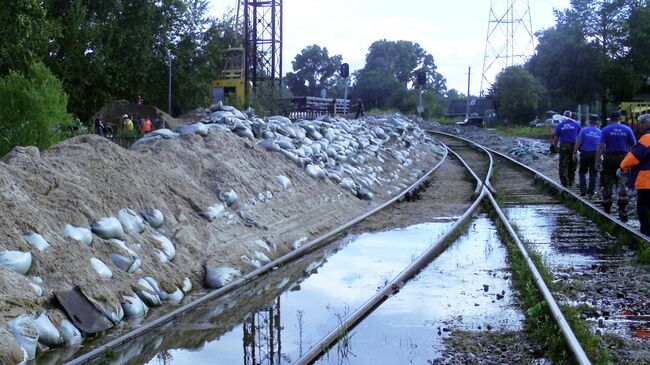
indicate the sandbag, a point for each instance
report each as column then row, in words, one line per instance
column 283, row 181
column 175, row 296
column 37, row 241
column 17, row 261
column 133, row 306
column 78, row 234
column 101, row 268
column 47, row 333
column 196, row 128
column 131, row 221
column 25, row 332
column 315, row 171
column 130, row 265
column 187, row 285
column 70, row 332
column 153, row 217
column 148, row 296
column 107, row 228
column 166, row 246
column 214, row 211
column 216, row 277
column 228, row 197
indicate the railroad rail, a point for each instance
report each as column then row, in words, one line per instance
column 251, row 276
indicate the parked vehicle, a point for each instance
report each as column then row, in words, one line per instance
column 472, row 121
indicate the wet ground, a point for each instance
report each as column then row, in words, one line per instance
column 591, row 268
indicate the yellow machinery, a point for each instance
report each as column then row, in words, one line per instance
column 631, row 110
column 231, row 87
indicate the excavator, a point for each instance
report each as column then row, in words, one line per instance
column 231, row 87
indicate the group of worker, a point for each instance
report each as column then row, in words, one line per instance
column 129, row 124
column 614, row 152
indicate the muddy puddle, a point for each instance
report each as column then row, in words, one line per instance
column 592, row 268
column 292, row 308
column 466, row 288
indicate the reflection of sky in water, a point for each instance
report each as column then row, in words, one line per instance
column 560, row 235
column 345, row 281
column 447, row 293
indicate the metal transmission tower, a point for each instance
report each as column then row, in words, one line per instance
column 262, row 31
column 510, row 39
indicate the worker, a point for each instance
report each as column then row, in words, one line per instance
column 127, row 122
column 615, row 141
column 145, row 127
column 637, row 162
column 360, row 108
column 587, row 144
column 566, row 133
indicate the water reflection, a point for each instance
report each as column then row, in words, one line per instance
column 467, row 287
column 292, row 307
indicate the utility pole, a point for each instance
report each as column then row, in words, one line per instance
column 469, row 74
column 510, row 38
column 169, row 86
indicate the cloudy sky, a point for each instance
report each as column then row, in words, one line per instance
column 453, row 31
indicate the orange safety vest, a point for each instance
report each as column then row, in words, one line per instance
column 146, row 126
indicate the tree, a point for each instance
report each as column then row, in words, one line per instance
column 32, row 109
column 518, row 96
column 568, row 67
column 24, row 34
column 313, row 70
column 390, row 71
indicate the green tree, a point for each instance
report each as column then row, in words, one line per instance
column 518, row 96
column 314, row 70
column 24, row 34
column 568, row 67
column 390, row 70
column 32, row 109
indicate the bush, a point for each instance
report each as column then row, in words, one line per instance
column 32, row 109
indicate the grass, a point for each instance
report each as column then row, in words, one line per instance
column 521, row 131
column 539, row 320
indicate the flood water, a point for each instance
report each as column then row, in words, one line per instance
column 457, row 291
column 293, row 307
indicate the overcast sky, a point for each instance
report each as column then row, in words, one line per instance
column 453, row 31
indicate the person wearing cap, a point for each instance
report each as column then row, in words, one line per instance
column 615, row 141
column 566, row 133
column 587, row 144
column 127, row 122
column 637, row 162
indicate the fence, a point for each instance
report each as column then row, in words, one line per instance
column 309, row 107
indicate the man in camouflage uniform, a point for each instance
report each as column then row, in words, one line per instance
column 566, row 133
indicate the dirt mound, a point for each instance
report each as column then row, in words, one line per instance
column 87, row 178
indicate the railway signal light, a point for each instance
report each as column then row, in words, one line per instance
column 345, row 70
column 421, row 77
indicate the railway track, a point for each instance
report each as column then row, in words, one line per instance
column 491, row 172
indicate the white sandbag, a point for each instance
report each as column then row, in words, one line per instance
column 196, row 128
column 70, row 332
column 214, row 211
column 37, row 241
column 47, row 334
column 131, row 221
column 121, row 244
column 166, row 246
column 25, row 332
column 37, row 289
column 148, row 296
column 175, row 296
column 17, row 261
column 228, row 197
column 78, row 234
column 283, row 181
column 153, row 217
column 261, row 257
column 216, row 277
column 187, row 285
column 128, row 264
column 115, row 315
column 161, row 256
column 107, row 228
column 133, row 306
column 164, row 133
column 101, row 268
column 347, row 184
column 315, row 171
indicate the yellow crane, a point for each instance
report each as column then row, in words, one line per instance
column 231, row 87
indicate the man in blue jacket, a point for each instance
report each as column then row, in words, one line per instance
column 615, row 141
column 566, row 133
column 587, row 144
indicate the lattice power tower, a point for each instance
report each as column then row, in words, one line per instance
column 261, row 22
column 510, row 39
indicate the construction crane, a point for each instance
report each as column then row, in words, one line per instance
column 258, row 57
